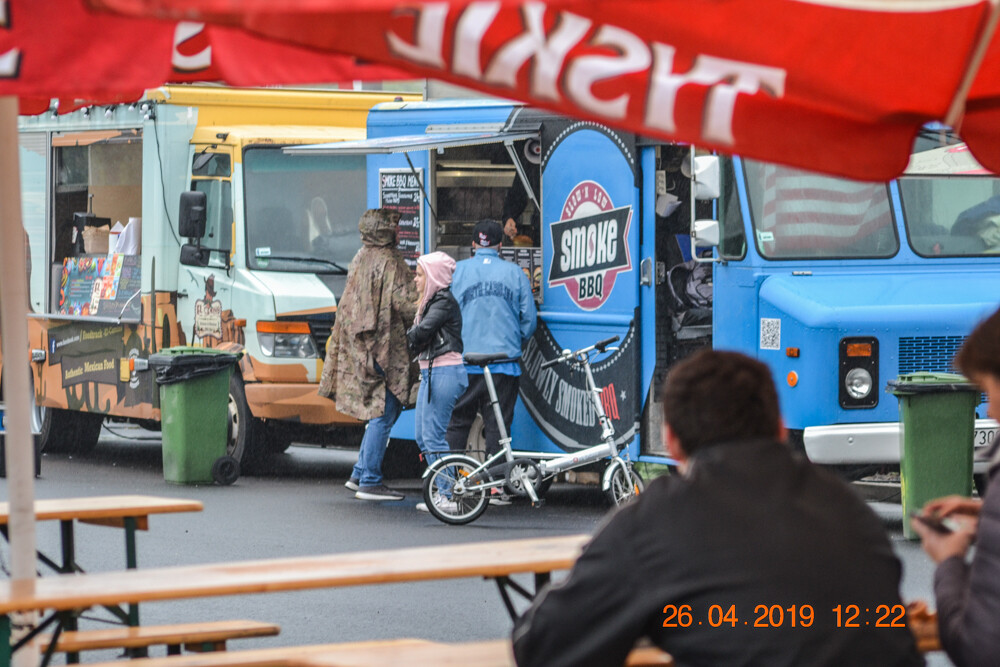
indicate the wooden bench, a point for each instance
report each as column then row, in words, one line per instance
column 198, row 637
column 388, row 653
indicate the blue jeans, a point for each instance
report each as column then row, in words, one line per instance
column 368, row 469
column 446, row 384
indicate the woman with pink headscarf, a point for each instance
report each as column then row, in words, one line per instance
column 436, row 339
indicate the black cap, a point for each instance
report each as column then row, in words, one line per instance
column 487, row 233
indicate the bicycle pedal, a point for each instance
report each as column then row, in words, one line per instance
column 538, row 503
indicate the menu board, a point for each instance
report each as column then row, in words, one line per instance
column 400, row 190
column 101, row 286
column 530, row 261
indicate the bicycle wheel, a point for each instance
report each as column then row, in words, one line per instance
column 625, row 484
column 446, row 494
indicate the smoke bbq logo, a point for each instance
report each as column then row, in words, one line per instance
column 589, row 245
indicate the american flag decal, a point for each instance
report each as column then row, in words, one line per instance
column 805, row 214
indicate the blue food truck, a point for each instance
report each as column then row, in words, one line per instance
column 838, row 286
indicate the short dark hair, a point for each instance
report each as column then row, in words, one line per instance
column 980, row 354
column 714, row 397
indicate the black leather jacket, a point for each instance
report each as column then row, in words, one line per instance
column 439, row 329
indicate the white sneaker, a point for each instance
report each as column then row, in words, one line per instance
column 501, row 499
column 444, row 504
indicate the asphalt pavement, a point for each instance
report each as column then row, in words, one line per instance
column 298, row 506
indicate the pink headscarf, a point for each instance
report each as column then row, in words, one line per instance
column 438, row 268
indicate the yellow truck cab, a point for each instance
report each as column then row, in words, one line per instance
column 115, row 276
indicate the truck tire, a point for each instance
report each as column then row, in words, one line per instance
column 278, row 440
column 37, row 415
column 69, row 431
column 245, row 435
column 475, row 444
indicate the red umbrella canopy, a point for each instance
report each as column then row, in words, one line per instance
column 832, row 85
column 61, row 49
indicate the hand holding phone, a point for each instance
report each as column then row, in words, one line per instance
column 936, row 523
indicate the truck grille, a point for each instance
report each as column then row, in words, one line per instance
column 928, row 353
column 320, row 332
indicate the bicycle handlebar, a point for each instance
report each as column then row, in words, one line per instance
column 600, row 346
column 604, row 343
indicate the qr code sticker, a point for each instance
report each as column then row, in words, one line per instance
column 770, row 333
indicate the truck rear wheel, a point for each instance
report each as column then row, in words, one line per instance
column 69, row 431
column 475, row 444
column 245, row 435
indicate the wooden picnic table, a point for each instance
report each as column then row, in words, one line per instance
column 497, row 560
column 494, row 560
column 129, row 512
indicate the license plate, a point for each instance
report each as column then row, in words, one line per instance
column 983, row 437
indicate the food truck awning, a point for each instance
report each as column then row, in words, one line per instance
column 412, row 142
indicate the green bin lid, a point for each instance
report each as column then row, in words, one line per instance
column 926, row 382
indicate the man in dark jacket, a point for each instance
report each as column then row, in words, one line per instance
column 751, row 556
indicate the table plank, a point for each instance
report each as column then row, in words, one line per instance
column 491, row 653
column 385, row 653
column 104, row 507
column 284, row 656
column 486, row 559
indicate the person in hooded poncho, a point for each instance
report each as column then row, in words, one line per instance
column 368, row 371
column 436, row 339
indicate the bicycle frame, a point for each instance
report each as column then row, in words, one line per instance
column 550, row 467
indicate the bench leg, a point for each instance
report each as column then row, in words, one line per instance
column 5, row 652
column 131, row 562
column 69, row 567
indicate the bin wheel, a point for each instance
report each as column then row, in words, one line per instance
column 225, row 470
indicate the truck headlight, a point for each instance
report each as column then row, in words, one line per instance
column 858, row 374
column 289, row 340
column 858, row 383
column 298, row 346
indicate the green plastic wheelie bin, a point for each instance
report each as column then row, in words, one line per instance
column 937, row 414
column 194, row 414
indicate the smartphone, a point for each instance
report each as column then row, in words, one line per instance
column 936, row 523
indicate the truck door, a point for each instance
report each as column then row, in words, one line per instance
column 205, row 293
column 590, row 285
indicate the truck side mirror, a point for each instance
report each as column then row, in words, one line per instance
column 705, row 233
column 193, row 255
column 705, row 178
column 191, row 221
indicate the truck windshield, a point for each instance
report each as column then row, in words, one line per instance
column 301, row 208
column 951, row 204
column 799, row 214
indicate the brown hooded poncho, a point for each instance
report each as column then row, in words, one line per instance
column 378, row 304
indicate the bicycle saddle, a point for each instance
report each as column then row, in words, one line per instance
column 486, row 359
